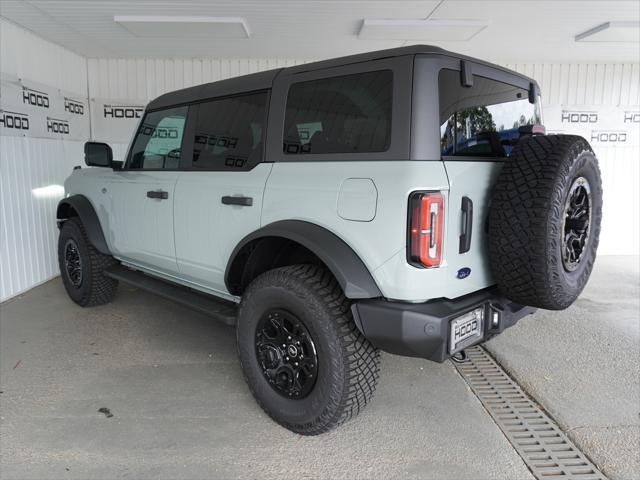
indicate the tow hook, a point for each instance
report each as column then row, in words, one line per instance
column 460, row 357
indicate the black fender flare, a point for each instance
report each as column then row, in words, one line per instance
column 82, row 206
column 347, row 267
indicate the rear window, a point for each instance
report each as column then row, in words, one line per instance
column 347, row 114
column 486, row 119
column 228, row 133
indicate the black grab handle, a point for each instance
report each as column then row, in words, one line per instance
column 467, row 226
column 159, row 194
column 242, row 201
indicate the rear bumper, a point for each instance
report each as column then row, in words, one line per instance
column 422, row 329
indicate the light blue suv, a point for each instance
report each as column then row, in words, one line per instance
column 406, row 200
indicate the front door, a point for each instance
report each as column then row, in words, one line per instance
column 218, row 198
column 143, row 193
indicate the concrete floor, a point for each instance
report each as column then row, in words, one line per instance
column 583, row 366
column 181, row 408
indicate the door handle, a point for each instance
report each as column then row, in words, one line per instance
column 467, row 225
column 159, row 194
column 242, row 201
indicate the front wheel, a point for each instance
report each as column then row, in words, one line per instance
column 305, row 361
column 82, row 266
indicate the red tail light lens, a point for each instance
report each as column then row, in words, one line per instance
column 426, row 221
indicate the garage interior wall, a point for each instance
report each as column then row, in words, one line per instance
column 595, row 88
column 28, row 232
column 137, row 81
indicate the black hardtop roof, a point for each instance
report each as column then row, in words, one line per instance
column 264, row 80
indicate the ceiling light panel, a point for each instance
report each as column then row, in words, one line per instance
column 625, row 32
column 170, row 26
column 421, row 30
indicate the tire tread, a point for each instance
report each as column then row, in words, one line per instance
column 526, row 216
column 361, row 359
column 102, row 289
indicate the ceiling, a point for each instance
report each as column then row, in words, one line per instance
column 516, row 31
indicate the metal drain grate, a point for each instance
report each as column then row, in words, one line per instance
column 545, row 449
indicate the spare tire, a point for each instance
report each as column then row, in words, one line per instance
column 544, row 221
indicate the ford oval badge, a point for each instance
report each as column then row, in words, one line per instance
column 464, row 273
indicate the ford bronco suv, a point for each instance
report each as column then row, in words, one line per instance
column 406, row 200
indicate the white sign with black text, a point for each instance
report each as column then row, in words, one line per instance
column 601, row 125
column 31, row 109
column 115, row 120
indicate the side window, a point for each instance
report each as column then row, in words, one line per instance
column 229, row 133
column 482, row 120
column 347, row 114
column 159, row 139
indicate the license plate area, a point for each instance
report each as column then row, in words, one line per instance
column 466, row 330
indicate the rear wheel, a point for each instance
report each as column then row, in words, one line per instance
column 82, row 266
column 305, row 361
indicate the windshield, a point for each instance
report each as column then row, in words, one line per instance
column 486, row 119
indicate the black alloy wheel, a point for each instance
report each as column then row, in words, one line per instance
column 286, row 353
column 577, row 219
column 73, row 262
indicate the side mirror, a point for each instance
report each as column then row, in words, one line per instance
column 98, row 154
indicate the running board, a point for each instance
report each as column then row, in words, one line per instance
column 221, row 310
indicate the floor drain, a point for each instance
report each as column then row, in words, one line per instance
column 545, row 449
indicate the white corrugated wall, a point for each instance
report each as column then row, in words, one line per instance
column 28, row 233
column 598, row 85
column 145, row 79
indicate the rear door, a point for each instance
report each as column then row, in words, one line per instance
column 218, row 199
column 480, row 123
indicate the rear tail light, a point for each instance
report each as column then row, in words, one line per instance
column 426, row 221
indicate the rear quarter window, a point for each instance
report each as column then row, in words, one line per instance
column 345, row 114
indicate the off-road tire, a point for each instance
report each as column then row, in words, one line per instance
column 95, row 288
column 348, row 364
column 526, row 220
